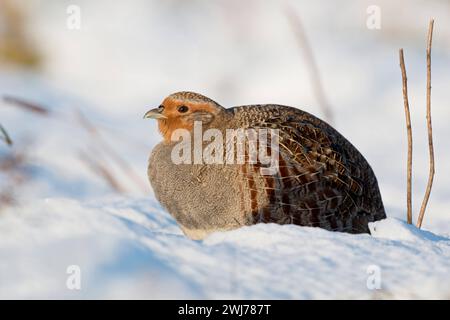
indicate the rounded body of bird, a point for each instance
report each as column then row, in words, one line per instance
column 321, row 180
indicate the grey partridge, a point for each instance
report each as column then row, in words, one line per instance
column 322, row 179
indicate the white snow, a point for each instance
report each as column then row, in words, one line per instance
column 127, row 250
column 125, row 59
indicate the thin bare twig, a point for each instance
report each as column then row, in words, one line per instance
column 124, row 165
column 311, row 64
column 4, row 136
column 103, row 171
column 409, row 134
column 26, row 105
column 83, row 122
column 429, row 127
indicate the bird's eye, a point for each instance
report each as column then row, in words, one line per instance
column 183, row 109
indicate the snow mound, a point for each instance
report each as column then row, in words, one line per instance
column 396, row 229
column 131, row 248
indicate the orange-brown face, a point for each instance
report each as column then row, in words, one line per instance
column 178, row 113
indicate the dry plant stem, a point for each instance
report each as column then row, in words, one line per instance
column 129, row 171
column 26, row 105
column 84, row 123
column 314, row 74
column 409, row 134
column 102, row 170
column 429, row 127
column 5, row 136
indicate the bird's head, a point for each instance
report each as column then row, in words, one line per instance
column 181, row 109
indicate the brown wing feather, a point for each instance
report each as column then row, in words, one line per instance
column 323, row 180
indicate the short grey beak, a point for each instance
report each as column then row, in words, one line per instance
column 155, row 114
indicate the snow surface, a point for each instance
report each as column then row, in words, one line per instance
column 129, row 248
column 125, row 59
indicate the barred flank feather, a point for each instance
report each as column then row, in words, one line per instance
column 323, row 180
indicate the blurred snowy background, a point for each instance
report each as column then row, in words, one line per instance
column 73, row 186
